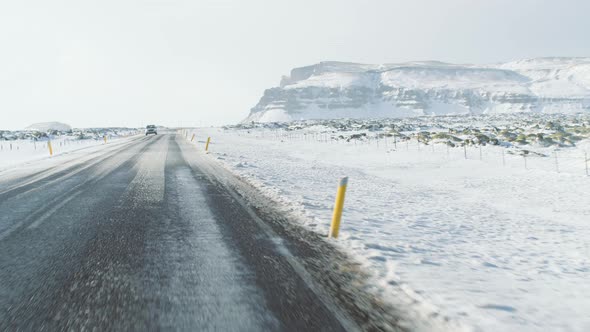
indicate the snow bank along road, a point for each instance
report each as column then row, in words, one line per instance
column 138, row 236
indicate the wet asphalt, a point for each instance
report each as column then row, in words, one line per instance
column 136, row 239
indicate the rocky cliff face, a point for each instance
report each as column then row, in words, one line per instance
column 349, row 90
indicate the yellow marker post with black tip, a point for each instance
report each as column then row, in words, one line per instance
column 338, row 206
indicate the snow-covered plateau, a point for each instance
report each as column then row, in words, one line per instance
column 49, row 126
column 329, row 90
column 477, row 223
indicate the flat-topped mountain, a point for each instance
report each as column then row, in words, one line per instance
column 350, row 90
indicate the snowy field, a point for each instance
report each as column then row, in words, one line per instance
column 494, row 238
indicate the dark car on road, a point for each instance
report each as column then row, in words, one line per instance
column 151, row 129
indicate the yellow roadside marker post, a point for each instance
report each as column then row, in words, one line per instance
column 207, row 145
column 338, row 206
column 192, row 138
column 50, row 147
column 105, row 139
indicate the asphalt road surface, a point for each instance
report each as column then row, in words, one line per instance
column 136, row 238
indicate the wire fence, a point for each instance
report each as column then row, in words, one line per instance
column 560, row 160
column 41, row 145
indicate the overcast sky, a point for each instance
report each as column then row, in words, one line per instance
column 207, row 62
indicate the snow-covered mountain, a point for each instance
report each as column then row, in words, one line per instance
column 350, row 90
column 47, row 126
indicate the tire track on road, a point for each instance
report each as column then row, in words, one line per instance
column 47, row 210
column 108, row 289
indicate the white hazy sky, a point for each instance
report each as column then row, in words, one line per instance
column 207, row 62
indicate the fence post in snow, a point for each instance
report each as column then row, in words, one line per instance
column 465, row 151
column 480, row 158
column 556, row 162
column 524, row 157
column 394, row 142
column 503, row 158
column 586, row 160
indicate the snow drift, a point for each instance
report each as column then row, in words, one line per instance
column 349, row 90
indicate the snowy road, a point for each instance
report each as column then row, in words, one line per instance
column 137, row 238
